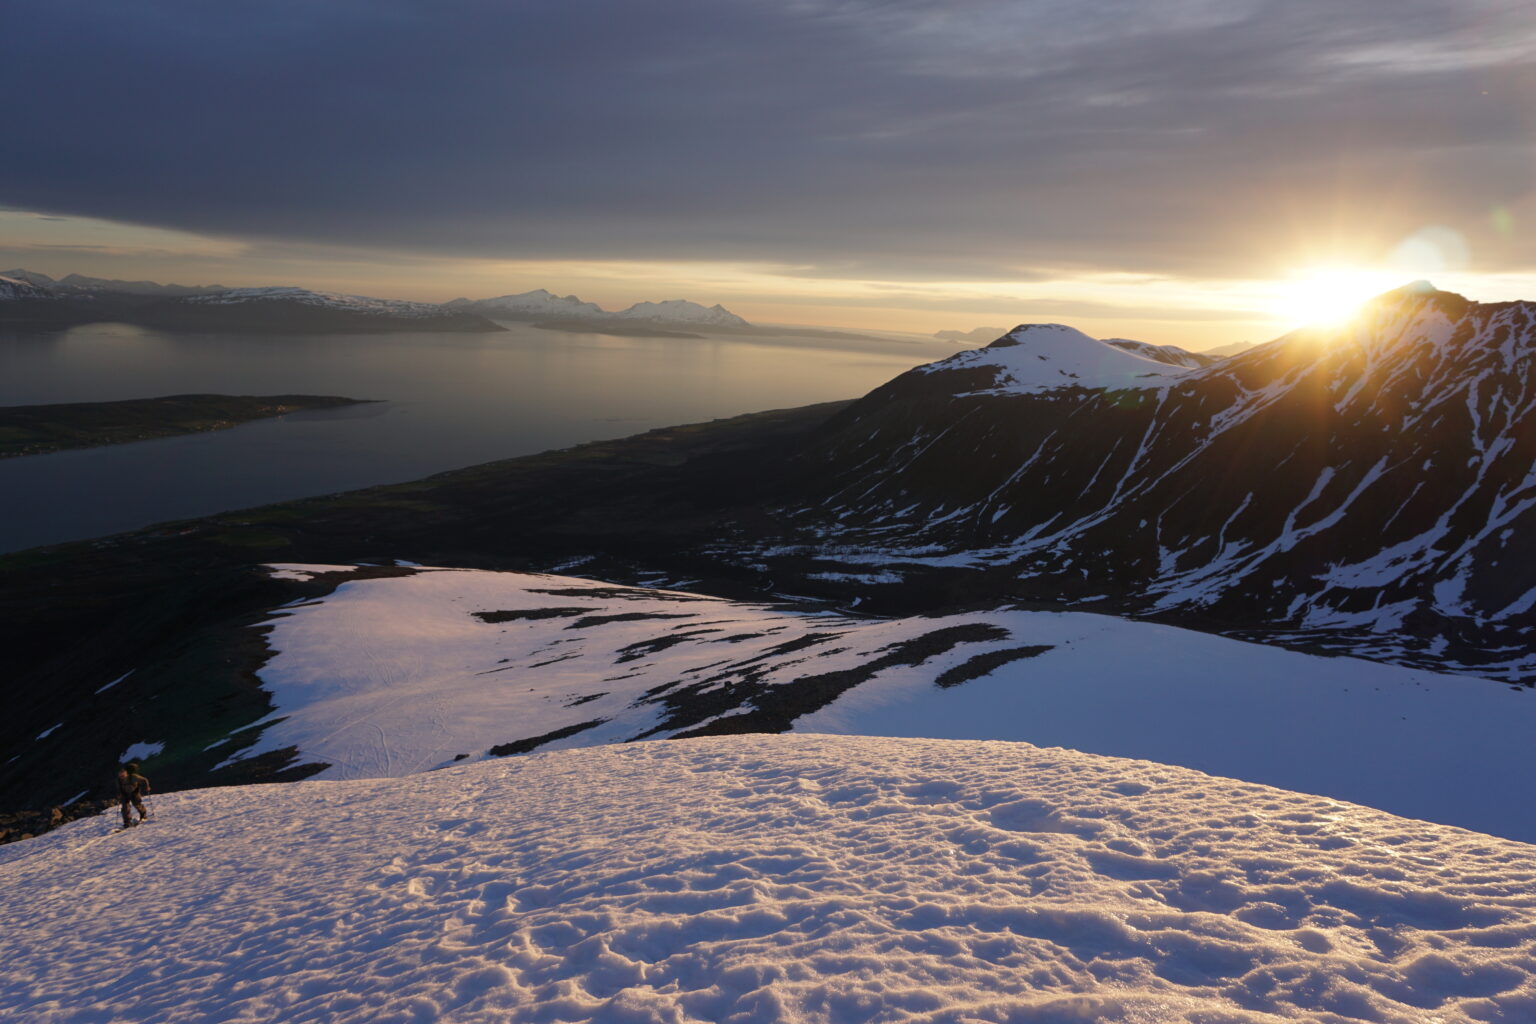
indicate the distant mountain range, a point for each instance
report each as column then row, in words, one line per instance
column 544, row 305
column 976, row 336
column 30, row 298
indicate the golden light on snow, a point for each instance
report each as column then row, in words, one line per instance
column 1327, row 296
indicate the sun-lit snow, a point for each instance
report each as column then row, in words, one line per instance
column 1043, row 357
column 765, row 879
column 391, row 676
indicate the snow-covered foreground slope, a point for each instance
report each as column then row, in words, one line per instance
column 389, row 676
column 767, row 879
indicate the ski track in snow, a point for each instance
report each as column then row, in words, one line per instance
column 770, row 878
column 398, row 675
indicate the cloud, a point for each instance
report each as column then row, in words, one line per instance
column 851, row 138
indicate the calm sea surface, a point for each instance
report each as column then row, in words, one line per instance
column 450, row 400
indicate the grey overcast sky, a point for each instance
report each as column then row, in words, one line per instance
column 938, row 160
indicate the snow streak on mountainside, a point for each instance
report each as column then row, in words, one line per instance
column 766, row 879
column 1373, row 484
column 412, row 671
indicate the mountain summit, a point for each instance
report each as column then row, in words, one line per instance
column 1041, row 357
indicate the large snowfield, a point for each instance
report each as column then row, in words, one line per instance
column 767, row 879
column 386, row 677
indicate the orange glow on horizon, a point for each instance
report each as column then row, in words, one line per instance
column 1329, row 296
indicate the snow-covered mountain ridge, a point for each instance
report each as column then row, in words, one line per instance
column 539, row 302
column 306, row 297
column 1372, row 485
column 14, row 286
column 757, row 879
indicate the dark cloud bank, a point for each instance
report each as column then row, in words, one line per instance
column 877, row 138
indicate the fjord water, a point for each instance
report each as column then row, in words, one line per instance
column 448, row 400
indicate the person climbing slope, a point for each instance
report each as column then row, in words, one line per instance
column 131, row 790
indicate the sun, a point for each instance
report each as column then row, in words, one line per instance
column 1328, row 296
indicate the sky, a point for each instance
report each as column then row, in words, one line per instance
column 1184, row 171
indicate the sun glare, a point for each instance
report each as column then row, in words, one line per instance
column 1328, row 296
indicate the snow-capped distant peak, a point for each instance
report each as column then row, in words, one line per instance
column 1043, row 357
column 12, row 288
column 683, row 311
column 31, row 277
column 330, row 300
column 539, row 302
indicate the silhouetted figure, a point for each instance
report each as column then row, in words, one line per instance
column 131, row 790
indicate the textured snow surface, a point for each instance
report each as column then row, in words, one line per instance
column 1042, row 357
column 767, row 879
column 403, row 674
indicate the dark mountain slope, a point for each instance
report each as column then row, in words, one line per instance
column 1376, row 480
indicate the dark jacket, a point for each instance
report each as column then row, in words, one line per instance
column 132, row 785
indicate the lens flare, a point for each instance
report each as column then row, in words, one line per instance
column 1329, row 296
